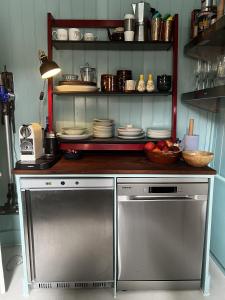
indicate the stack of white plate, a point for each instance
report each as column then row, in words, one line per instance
column 158, row 133
column 103, row 128
column 130, row 133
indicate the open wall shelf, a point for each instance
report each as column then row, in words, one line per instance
column 209, row 43
column 97, row 94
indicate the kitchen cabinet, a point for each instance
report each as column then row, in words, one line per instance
column 206, row 46
column 74, row 214
column 114, row 143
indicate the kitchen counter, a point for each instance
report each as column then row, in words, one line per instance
column 117, row 163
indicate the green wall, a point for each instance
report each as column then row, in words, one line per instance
column 23, row 31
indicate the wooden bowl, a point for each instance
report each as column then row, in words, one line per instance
column 197, row 158
column 162, row 157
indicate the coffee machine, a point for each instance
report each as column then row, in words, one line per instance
column 142, row 12
column 31, row 142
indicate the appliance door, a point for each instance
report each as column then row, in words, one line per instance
column 69, row 234
column 160, row 238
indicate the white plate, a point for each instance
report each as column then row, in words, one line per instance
column 75, row 88
column 158, row 137
column 128, row 133
column 74, row 136
column 131, row 137
column 126, row 129
column 103, row 120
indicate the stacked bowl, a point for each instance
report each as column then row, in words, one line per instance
column 103, row 128
column 158, row 133
column 130, row 133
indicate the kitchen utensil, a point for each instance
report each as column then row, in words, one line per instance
column 31, row 142
column 122, row 76
column 116, row 35
column 87, row 73
column 72, row 154
column 220, row 9
column 163, row 157
column 109, row 83
column 135, row 137
column 191, row 127
column 164, row 83
column 156, row 27
column 197, row 158
column 73, row 130
column 51, row 144
column 69, row 77
column 142, row 12
column 129, row 36
column 76, row 137
column 60, row 34
column 167, row 27
column 70, row 88
column 129, row 22
column 75, row 34
column 89, row 36
column 191, row 142
column 130, row 85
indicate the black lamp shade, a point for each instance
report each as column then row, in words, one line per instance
column 48, row 68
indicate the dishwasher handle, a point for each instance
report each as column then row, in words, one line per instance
column 161, row 198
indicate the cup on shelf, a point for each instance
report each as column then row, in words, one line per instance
column 167, row 27
column 60, row 34
column 129, row 22
column 75, row 34
column 130, row 85
column 164, row 83
column 128, row 36
column 89, row 36
column 156, row 27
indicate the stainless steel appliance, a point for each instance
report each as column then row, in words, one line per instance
column 31, row 142
column 68, row 231
column 142, row 11
column 161, row 225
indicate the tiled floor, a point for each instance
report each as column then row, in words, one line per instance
column 15, row 290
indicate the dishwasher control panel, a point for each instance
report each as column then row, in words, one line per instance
column 160, row 188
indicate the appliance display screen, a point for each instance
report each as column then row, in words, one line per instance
column 162, row 189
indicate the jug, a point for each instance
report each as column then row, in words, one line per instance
column 142, row 12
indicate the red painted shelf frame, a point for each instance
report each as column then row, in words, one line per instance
column 67, row 23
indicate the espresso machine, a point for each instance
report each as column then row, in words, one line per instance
column 142, row 13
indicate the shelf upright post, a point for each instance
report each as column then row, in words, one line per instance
column 50, row 21
column 174, row 78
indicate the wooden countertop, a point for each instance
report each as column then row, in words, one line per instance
column 117, row 163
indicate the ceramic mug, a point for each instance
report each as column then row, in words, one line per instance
column 60, row 34
column 88, row 36
column 130, row 85
column 75, row 34
column 129, row 36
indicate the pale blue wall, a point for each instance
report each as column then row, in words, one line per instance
column 218, row 221
column 23, row 31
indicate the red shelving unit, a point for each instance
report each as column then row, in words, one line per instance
column 114, row 143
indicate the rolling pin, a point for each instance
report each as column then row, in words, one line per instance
column 220, row 9
column 191, row 127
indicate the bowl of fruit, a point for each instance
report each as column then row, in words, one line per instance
column 162, row 152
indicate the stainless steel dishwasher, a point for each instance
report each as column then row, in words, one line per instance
column 161, row 225
column 68, row 231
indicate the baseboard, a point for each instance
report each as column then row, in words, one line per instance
column 217, row 262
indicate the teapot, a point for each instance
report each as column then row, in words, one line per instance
column 116, row 35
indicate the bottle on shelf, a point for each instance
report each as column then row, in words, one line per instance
column 207, row 15
column 150, row 87
column 141, row 83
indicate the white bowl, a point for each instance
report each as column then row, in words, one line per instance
column 73, row 130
